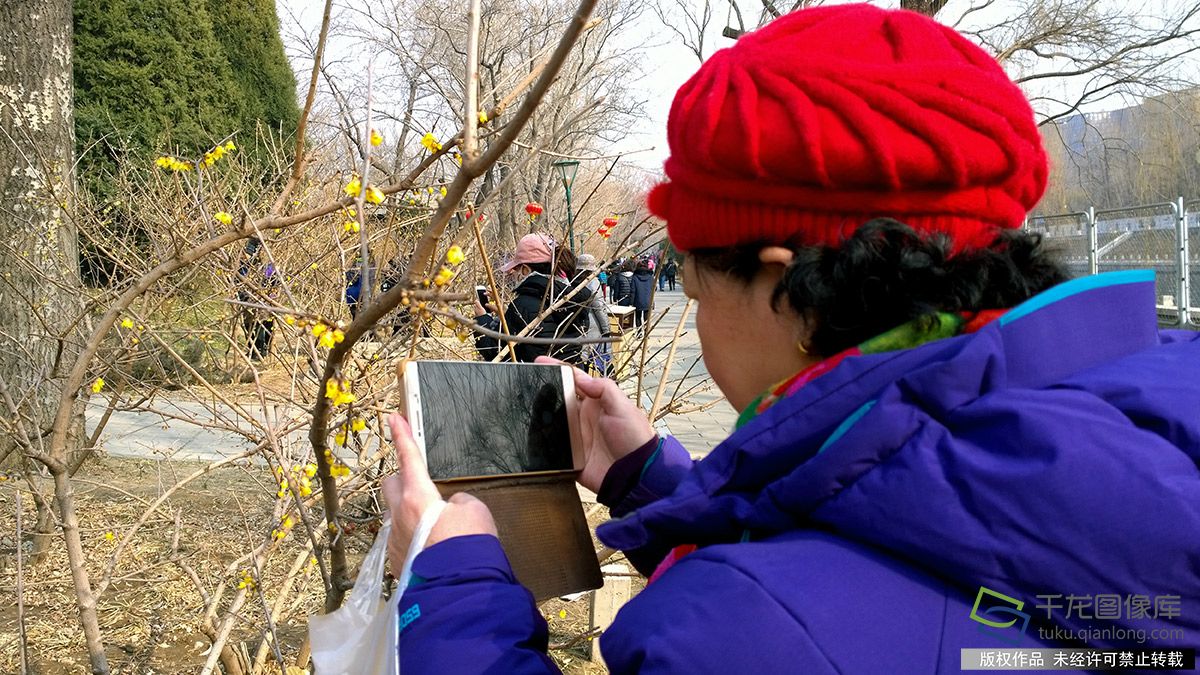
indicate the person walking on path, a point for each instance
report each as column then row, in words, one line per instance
column 668, row 271
column 643, row 293
column 623, row 291
column 938, row 430
column 541, row 280
column 258, row 284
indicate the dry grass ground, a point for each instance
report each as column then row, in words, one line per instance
column 151, row 614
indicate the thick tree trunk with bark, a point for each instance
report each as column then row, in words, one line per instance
column 40, row 296
column 926, row 7
column 39, row 269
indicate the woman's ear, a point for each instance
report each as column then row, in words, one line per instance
column 777, row 255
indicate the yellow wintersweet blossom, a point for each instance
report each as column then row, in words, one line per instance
column 444, row 276
column 483, row 118
column 354, row 187
column 310, row 469
column 443, row 190
column 98, row 385
column 374, row 195
column 229, row 146
column 287, row 521
column 109, row 536
column 338, row 391
column 172, row 164
column 223, row 217
column 455, row 255
column 358, row 424
column 126, row 323
column 376, row 139
column 339, row 470
column 247, row 578
column 330, row 338
column 351, row 226
column 430, row 142
column 340, row 437
column 319, row 328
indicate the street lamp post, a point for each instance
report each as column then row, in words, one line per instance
column 566, row 170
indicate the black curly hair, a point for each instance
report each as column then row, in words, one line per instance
column 887, row 274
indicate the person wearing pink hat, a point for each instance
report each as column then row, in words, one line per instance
column 542, row 273
column 946, row 448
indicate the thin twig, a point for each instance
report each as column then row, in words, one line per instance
column 23, row 645
column 662, row 378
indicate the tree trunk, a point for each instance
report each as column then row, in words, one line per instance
column 39, row 287
column 39, row 290
column 926, row 7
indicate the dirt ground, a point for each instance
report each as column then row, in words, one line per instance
column 150, row 615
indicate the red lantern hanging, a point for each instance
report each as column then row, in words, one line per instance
column 534, row 209
column 602, row 231
column 610, row 221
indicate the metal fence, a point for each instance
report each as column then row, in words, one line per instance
column 1150, row 236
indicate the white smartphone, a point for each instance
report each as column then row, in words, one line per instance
column 473, row 419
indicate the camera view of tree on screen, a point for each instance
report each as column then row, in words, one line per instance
column 493, row 420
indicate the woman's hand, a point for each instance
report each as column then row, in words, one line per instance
column 610, row 425
column 410, row 490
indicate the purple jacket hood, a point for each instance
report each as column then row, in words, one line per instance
column 1053, row 452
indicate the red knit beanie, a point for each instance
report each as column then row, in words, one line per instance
column 828, row 117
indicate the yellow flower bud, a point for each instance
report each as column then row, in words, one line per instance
column 98, row 385
column 127, row 323
column 376, row 139
column 223, row 217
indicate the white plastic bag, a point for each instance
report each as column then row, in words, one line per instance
column 360, row 637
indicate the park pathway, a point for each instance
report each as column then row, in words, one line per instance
column 151, row 435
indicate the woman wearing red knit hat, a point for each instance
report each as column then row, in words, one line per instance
column 943, row 443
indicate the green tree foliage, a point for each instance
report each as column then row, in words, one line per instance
column 147, row 72
column 171, row 77
column 248, row 31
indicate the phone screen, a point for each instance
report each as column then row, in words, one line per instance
column 489, row 419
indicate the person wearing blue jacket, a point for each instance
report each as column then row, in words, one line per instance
column 944, row 443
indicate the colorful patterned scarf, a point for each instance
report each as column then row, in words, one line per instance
column 906, row 336
column 912, row 334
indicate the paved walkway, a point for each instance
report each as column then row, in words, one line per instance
column 159, row 436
